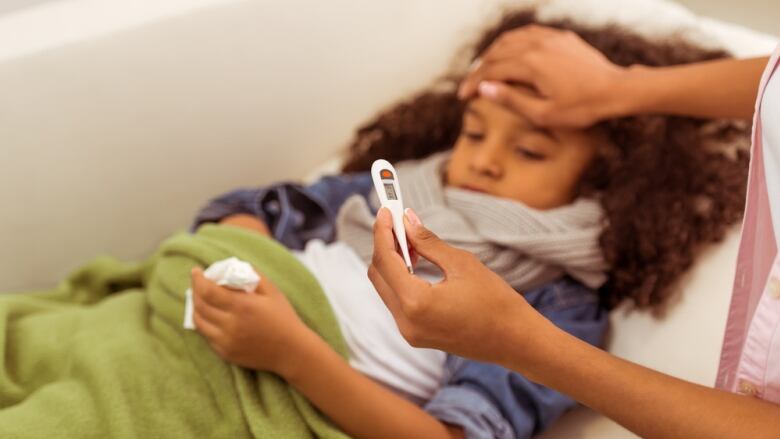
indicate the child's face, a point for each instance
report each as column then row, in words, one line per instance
column 501, row 153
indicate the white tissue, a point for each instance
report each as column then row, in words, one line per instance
column 234, row 274
column 231, row 273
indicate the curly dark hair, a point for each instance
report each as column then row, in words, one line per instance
column 668, row 185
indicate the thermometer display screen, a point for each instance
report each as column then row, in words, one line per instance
column 390, row 191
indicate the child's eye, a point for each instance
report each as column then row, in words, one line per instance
column 474, row 136
column 529, row 154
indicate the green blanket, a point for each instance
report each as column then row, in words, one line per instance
column 104, row 354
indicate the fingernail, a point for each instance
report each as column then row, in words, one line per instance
column 412, row 217
column 488, row 89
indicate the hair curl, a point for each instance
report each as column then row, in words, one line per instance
column 668, row 186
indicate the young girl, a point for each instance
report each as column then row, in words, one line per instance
column 575, row 220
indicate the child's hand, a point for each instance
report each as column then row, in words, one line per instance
column 255, row 330
column 246, row 221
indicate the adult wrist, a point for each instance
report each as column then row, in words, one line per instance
column 530, row 342
column 629, row 95
column 515, row 331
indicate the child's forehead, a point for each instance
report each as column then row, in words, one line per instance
column 490, row 112
column 486, row 109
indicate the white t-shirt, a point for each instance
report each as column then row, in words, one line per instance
column 376, row 347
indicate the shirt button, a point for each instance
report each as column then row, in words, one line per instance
column 748, row 388
column 773, row 286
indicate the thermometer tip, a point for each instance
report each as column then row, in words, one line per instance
column 411, row 270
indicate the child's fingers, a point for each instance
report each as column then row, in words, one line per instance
column 210, row 292
column 266, row 287
column 208, row 311
column 206, row 328
column 261, row 286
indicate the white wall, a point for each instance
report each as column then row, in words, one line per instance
column 119, row 118
column 7, row 6
column 113, row 136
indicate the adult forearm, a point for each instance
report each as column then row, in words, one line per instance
column 358, row 405
column 475, row 314
column 647, row 402
column 714, row 89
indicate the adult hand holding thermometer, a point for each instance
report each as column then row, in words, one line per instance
column 389, row 192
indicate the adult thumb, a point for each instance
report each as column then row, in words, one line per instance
column 427, row 244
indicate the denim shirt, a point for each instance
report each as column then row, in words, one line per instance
column 486, row 400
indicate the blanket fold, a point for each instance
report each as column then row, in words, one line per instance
column 104, row 354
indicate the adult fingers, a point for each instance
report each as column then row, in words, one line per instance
column 513, row 47
column 386, row 293
column 413, row 256
column 386, row 259
column 519, row 100
column 524, row 39
column 506, row 70
column 429, row 246
column 514, row 70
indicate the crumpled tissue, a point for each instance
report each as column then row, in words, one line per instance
column 231, row 273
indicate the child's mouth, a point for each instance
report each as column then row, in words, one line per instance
column 474, row 189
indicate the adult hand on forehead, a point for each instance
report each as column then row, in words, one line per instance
column 462, row 314
column 575, row 84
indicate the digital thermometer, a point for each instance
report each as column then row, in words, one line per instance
column 389, row 192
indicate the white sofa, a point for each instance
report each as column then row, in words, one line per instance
column 118, row 119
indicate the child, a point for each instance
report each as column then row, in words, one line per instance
column 576, row 220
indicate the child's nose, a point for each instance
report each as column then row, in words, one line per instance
column 487, row 161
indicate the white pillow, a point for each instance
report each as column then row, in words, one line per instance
column 659, row 19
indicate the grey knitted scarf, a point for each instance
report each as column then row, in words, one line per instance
column 526, row 247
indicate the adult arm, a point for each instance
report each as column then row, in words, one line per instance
column 576, row 85
column 474, row 313
column 489, row 400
